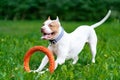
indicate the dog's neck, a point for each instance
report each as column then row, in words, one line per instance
column 58, row 37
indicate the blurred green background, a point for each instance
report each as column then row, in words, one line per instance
column 82, row 10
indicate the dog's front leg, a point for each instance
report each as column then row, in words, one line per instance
column 59, row 62
column 60, row 59
column 42, row 65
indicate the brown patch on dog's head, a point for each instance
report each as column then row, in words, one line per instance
column 54, row 26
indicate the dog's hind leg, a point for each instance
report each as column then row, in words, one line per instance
column 93, row 44
column 93, row 51
column 75, row 59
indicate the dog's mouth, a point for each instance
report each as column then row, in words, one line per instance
column 48, row 36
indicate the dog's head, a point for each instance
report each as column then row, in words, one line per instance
column 50, row 29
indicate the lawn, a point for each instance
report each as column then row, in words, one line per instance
column 16, row 37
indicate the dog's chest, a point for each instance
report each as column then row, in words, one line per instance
column 55, row 49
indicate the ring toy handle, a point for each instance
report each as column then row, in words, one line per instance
column 41, row 49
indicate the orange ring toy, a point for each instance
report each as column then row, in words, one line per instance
column 42, row 49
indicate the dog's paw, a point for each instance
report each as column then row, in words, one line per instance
column 93, row 61
column 41, row 72
column 37, row 71
column 34, row 71
column 74, row 62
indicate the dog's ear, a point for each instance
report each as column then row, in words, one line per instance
column 49, row 18
column 57, row 19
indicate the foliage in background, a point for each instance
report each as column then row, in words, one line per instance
column 65, row 9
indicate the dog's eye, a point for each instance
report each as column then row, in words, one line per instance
column 43, row 24
column 50, row 25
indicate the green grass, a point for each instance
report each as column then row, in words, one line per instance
column 16, row 37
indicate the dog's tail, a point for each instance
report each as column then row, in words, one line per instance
column 102, row 21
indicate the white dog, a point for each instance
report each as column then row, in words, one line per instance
column 68, row 45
